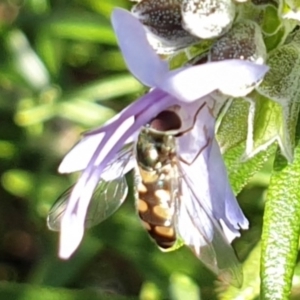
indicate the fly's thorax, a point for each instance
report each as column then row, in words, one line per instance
column 155, row 149
column 156, row 145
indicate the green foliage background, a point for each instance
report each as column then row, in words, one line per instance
column 61, row 73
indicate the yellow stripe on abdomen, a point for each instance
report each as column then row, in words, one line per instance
column 156, row 212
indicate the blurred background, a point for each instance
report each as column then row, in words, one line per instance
column 61, row 73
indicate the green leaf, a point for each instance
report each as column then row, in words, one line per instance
column 26, row 62
column 268, row 126
column 239, row 171
column 233, row 126
column 272, row 41
column 281, row 84
column 105, row 89
column 232, row 134
column 271, row 22
column 84, row 112
column 50, row 50
column 35, row 115
column 281, row 229
column 265, row 15
column 82, row 27
column 104, row 7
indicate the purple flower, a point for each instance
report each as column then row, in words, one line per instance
column 185, row 91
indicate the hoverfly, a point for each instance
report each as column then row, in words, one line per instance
column 165, row 199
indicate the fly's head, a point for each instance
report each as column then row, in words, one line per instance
column 156, row 143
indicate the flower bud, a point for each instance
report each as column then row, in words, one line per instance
column 162, row 20
column 207, row 18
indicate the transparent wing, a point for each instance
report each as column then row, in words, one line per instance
column 203, row 234
column 107, row 197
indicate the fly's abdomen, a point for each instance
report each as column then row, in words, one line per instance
column 156, row 185
column 156, row 210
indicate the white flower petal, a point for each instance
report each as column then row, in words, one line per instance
column 79, row 156
column 140, row 58
column 114, row 138
column 194, row 225
column 229, row 233
column 72, row 224
column 224, row 203
column 192, row 83
column 71, row 235
column 204, row 164
column 190, row 144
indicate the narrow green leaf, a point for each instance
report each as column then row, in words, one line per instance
column 82, row 27
column 105, row 89
column 50, row 50
column 265, row 15
column 281, row 84
column 240, row 172
column 281, row 229
column 233, row 126
column 35, row 114
column 235, row 131
column 84, row 112
column 26, row 61
column 104, row 7
column 268, row 126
